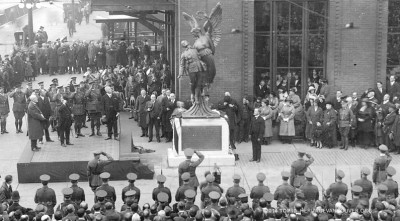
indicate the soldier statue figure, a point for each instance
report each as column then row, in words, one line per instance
column 197, row 61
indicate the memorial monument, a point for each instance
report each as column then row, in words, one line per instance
column 201, row 128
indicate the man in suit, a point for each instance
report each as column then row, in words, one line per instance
column 64, row 119
column 257, row 128
column 154, row 109
column 46, row 196
column 44, row 106
column 6, row 190
column 169, row 109
column 261, row 89
column 110, row 107
column 140, row 107
column 95, row 167
column 295, row 82
column 393, row 88
column 379, row 92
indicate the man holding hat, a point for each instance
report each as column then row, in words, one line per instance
column 110, row 108
column 380, row 165
column 257, row 127
column 393, row 187
column 235, row 190
column 78, row 194
column 299, row 167
column 190, row 166
column 19, row 107
column 311, row 192
column 257, row 192
column 284, row 191
column 46, row 196
column 111, row 195
column 180, row 193
column 161, row 188
column 365, row 184
column 336, row 189
column 131, row 178
column 4, row 110
column 95, row 167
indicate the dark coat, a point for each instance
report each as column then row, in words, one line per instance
column 257, row 127
column 62, row 53
column 35, row 116
column 19, row 104
column 379, row 95
column 393, row 90
column 5, row 193
column 82, row 56
column 168, row 113
column 140, row 107
column 47, row 197
column 101, row 56
column 121, row 55
column 53, row 57
column 111, row 56
column 72, row 57
column 154, row 109
column 4, row 105
column 261, row 91
column 64, row 116
column 44, row 107
column 110, row 106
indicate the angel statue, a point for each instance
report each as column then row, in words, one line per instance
column 197, row 61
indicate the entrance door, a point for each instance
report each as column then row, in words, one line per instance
column 290, row 42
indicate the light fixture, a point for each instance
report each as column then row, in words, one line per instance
column 28, row 5
column 21, row 5
column 350, row 25
column 38, row 5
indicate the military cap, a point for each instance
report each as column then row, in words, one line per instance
column 161, row 178
column 91, row 82
column 67, row 191
column 308, row 175
column 383, row 147
column 285, row 174
column 6, row 56
column 188, row 152
column 97, row 152
column 301, row 150
column 269, row 197
column 190, row 193
column 261, row 177
column 340, row 173
column 39, row 83
column 185, row 176
column 366, row 171
column 356, row 189
column 101, row 193
column 130, row 193
column 52, row 84
column 29, row 83
column 328, row 102
column 74, row 177
column 342, row 198
column 162, row 197
column 44, row 177
column 391, row 171
column 76, row 85
column 214, row 195
column 354, row 216
column 242, row 195
column 54, row 80
column 105, row 175
column 73, row 78
column 59, row 87
column 300, row 195
column 236, row 177
column 210, row 178
column 382, row 187
column 131, row 176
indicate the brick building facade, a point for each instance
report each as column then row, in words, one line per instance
column 354, row 58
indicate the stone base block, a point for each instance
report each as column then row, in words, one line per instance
column 210, row 159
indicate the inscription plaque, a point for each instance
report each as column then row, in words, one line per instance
column 203, row 138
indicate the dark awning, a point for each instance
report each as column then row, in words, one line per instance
column 132, row 5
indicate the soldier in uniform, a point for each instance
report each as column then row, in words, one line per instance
column 161, row 188
column 180, row 193
column 46, row 196
column 311, row 192
column 95, row 167
column 299, row 167
column 284, row 191
column 162, row 200
column 214, row 196
column 356, row 191
column 4, row 110
column 365, row 184
column 257, row 192
column 129, row 200
column 93, row 106
column 393, row 187
column 78, row 194
column 52, row 97
column 190, row 196
column 329, row 119
column 235, row 190
column 205, row 200
column 346, row 117
column 131, row 178
column 190, row 166
column 380, row 164
column 78, row 109
column 19, row 107
column 100, row 196
column 336, row 189
column 111, row 195
column 67, row 192
column 382, row 190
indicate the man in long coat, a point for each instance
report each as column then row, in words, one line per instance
column 53, row 59
column 140, row 108
column 45, row 108
column 62, row 53
column 110, row 107
column 35, row 118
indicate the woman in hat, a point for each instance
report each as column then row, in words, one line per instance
column 328, row 121
column 273, row 104
column 266, row 114
column 286, row 117
column 310, row 95
column 365, row 127
column 313, row 126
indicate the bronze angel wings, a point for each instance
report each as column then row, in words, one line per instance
column 212, row 25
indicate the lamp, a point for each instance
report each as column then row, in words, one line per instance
column 28, row 5
column 350, row 25
column 21, row 5
column 38, row 5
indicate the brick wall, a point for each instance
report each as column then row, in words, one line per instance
column 228, row 56
column 356, row 57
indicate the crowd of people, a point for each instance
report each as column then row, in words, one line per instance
column 297, row 198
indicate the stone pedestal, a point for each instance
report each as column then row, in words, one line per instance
column 210, row 136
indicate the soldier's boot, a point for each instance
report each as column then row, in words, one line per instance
column 5, row 127
column 92, row 134
column 20, row 126
column 76, row 131
column 236, row 157
column 2, row 128
column 98, row 131
column 79, row 133
column 16, row 127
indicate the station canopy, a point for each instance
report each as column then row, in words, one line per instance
column 132, row 5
